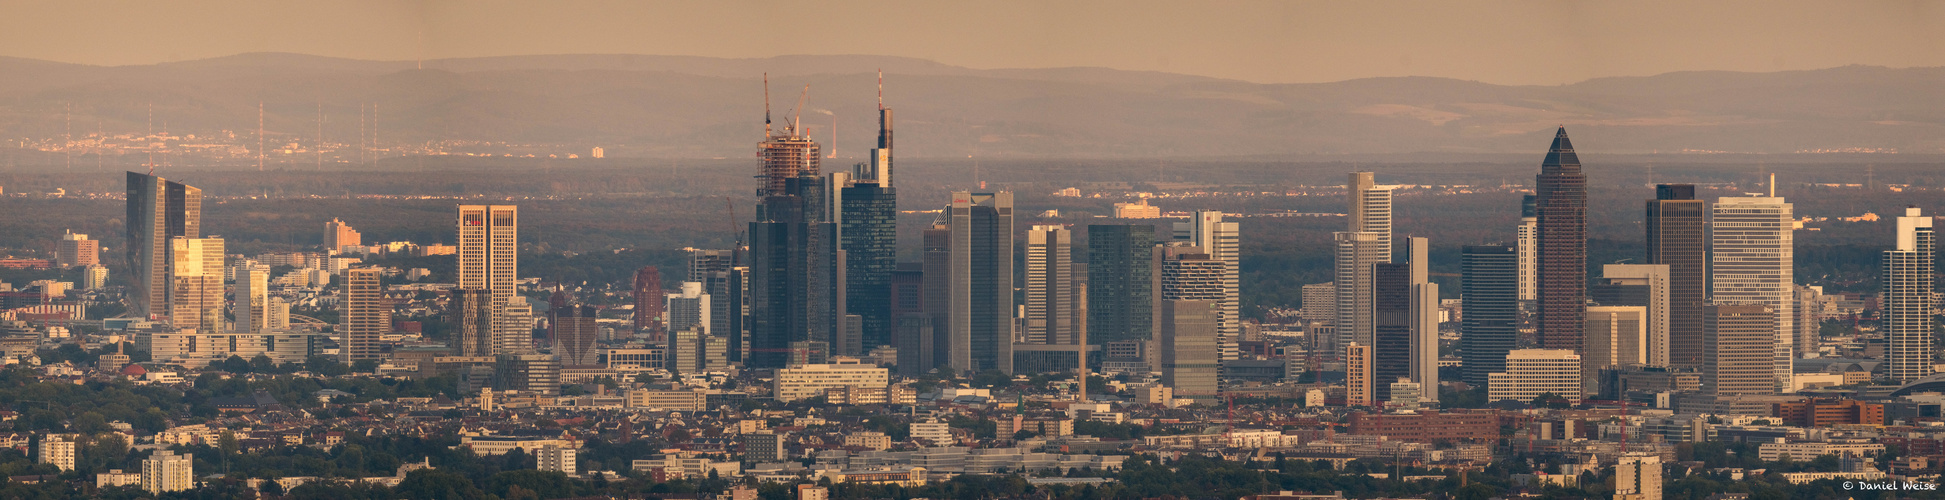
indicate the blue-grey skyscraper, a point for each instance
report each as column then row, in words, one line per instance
column 869, row 230
column 1120, row 282
column 796, row 273
column 1489, row 287
column 978, row 281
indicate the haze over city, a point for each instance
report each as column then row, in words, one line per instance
column 995, row 250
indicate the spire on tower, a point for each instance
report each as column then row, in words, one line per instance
column 1562, row 152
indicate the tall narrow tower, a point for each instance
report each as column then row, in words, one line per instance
column 868, row 228
column 1907, row 299
column 1753, row 262
column 489, row 260
column 1560, row 203
column 1677, row 238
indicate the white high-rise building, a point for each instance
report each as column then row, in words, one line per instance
column 1222, row 241
column 1370, row 208
column 489, row 254
column 252, row 297
column 58, row 449
column 555, row 457
column 1637, row 476
column 1752, row 262
column 1907, row 298
column 1357, row 252
column 166, row 471
column 1529, row 251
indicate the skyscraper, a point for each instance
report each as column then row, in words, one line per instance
column 1753, row 263
column 196, row 271
column 1737, row 353
column 1560, row 203
column 338, row 235
column 796, row 273
column 1358, row 254
column 252, row 297
column 1907, row 298
column 648, row 300
column 367, row 315
column 1489, row 289
column 1222, row 241
column 1644, row 285
column 1404, row 323
column 1050, row 288
column 470, row 311
column 1678, row 238
column 1529, row 242
column 158, row 211
column 979, row 282
column 489, row 254
column 1188, row 347
column 869, row 230
column 1120, row 295
column 1370, row 207
column 787, row 157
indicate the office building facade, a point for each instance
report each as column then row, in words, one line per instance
column 1489, row 294
column 159, row 211
column 489, row 253
column 1737, row 353
column 1222, row 241
column 1678, row 238
column 367, row 314
column 1753, row 262
column 1560, row 203
column 979, row 282
column 1120, row 288
column 1908, row 297
column 1188, row 346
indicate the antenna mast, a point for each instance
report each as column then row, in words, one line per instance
column 766, row 106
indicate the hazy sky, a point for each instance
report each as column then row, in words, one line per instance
column 1540, row 42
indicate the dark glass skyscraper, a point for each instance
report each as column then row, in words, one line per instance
column 1120, row 288
column 1677, row 235
column 158, row 211
column 796, row 293
column 1390, row 326
column 870, row 234
column 978, row 281
column 1560, row 200
column 1489, row 285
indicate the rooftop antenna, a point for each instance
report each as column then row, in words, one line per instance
column 1772, row 184
column 881, row 88
column 833, row 135
column 766, row 106
column 797, row 115
column 68, row 148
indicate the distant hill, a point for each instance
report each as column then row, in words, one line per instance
column 696, row 107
